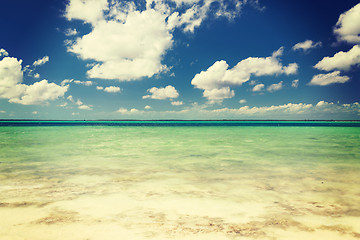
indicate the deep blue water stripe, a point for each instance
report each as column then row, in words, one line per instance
column 185, row 123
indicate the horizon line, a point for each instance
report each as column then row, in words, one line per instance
column 163, row 120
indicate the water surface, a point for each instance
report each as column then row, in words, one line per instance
column 179, row 180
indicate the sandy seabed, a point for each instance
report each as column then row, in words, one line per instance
column 155, row 204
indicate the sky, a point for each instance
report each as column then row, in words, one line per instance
column 180, row 59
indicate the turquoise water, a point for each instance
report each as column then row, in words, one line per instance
column 111, row 181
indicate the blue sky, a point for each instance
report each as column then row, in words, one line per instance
column 179, row 59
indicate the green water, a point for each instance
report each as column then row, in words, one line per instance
column 103, row 182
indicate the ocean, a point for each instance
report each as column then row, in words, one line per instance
column 272, row 180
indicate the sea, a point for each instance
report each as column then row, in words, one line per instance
column 214, row 180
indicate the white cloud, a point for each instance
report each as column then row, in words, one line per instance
column 12, row 88
column 89, row 11
column 258, row 87
column 218, row 95
column 71, row 32
column 177, row 103
column 295, row 83
column 347, row 27
column 306, row 45
column 80, row 104
column 252, row 82
column 36, row 75
column 112, row 89
column 41, row 61
column 219, row 76
column 63, row 105
column 199, row 11
column 275, row 87
column 246, row 110
column 2, row 111
column 162, row 93
column 35, row 112
column 322, row 103
column 84, row 107
column 85, row 83
column 128, row 40
column 4, row 53
column 131, row 111
column 321, row 110
column 330, row 78
column 66, row 81
column 75, row 113
column 70, row 98
column 39, row 92
column 147, row 107
column 122, row 110
column 242, row 101
column 341, row 60
column 126, row 50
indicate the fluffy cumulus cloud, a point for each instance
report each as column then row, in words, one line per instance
column 306, row 45
column 41, row 61
column 126, row 51
column 330, row 78
column 275, row 87
column 162, row 93
column 258, row 87
column 348, row 28
column 129, row 39
column 341, row 60
column 218, row 94
column 112, row 89
column 12, row 88
column 89, row 11
column 218, row 78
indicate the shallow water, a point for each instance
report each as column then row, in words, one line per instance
column 179, row 182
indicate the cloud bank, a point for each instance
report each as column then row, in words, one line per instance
column 294, row 111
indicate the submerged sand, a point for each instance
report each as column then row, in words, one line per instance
column 188, row 187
